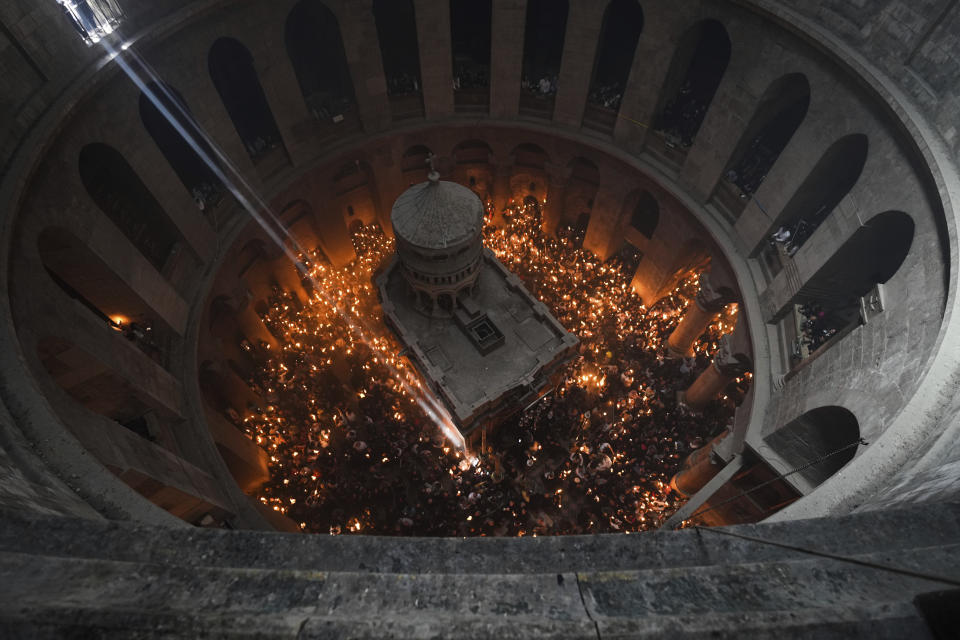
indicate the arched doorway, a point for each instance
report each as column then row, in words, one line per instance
column 546, row 29
column 470, row 33
column 315, row 49
column 400, row 52
column 622, row 25
column 696, row 71
column 827, row 184
column 235, row 77
column 778, row 116
column 196, row 175
column 120, row 194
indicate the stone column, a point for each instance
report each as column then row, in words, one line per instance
column 436, row 59
column 553, row 210
column 501, row 187
column 506, row 61
column 579, row 50
column 699, row 468
column 708, row 304
column 726, row 366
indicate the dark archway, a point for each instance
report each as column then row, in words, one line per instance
column 315, row 48
column 829, row 302
column 196, row 175
column 235, row 77
column 622, row 25
column 695, row 73
column 778, row 116
column 474, row 167
column 400, row 51
column 118, row 191
column 834, row 175
column 470, row 37
column 814, row 434
column 646, row 215
column 544, row 34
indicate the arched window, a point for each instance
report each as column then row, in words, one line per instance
column 93, row 19
column 118, row 191
column 413, row 164
column 234, row 76
column 827, row 184
column 622, row 25
column 780, row 112
column 546, row 29
column 193, row 172
column 815, row 434
column 829, row 302
column 315, row 48
column 470, row 24
column 695, row 73
column 646, row 215
column 400, row 52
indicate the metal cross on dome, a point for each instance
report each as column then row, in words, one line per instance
column 434, row 175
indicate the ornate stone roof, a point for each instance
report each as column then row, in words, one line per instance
column 437, row 214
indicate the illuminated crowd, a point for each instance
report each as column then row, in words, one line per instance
column 352, row 452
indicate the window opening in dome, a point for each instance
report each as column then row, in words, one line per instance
column 93, row 19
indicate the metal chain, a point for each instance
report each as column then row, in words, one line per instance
column 700, row 512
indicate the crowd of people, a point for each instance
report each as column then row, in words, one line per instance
column 327, row 106
column 403, row 84
column 545, row 86
column 682, row 116
column 817, row 326
column 748, row 173
column 607, row 96
column 207, row 195
column 261, row 145
column 470, row 76
column 350, row 450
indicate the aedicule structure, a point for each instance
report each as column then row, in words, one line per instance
column 485, row 345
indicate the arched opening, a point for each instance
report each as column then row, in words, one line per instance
column 473, row 167
column 815, row 434
column 400, row 52
column 414, row 164
column 355, row 196
column 544, row 34
column 529, row 178
column 118, row 191
column 127, row 430
column 622, row 25
column 470, row 25
column 829, row 304
column 196, row 175
column 235, row 77
column 84, row 277
column 315, row 48
column 646, row 215
column 827, row 184
column 779, row 114
column 695, row 73
column 582, row 187
column 297, row 218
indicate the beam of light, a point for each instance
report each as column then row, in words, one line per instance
column 260, row 211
